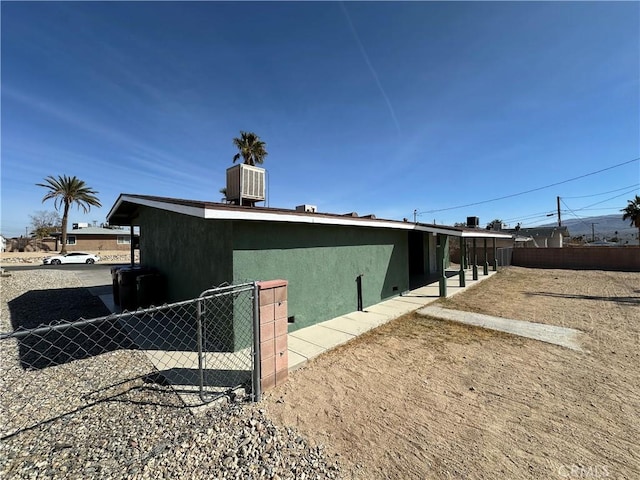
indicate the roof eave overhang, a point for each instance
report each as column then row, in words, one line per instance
column 116, row 215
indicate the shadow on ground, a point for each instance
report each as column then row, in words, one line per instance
column 57, row 341
column 624, row 300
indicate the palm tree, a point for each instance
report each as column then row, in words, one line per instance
column 632, row 212
column 66, row 191
column 250, row 148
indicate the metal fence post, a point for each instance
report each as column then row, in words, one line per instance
column 200, row 348
column 256, row 387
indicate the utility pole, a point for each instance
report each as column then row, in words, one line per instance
column 559, row 220
column 593, row 232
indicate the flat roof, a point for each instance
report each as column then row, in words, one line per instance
column 124, row 212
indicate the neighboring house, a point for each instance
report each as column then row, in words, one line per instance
column 540, row 237
column 197, row 245
column 93, row 239
column 3, row 244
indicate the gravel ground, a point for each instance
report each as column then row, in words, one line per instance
column 103, row 417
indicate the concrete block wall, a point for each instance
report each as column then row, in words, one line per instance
column 274, row 359
column 588, row 258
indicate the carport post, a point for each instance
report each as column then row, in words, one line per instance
column 495, row 256
column 475, row 260
column 131, row 241
column 462, row 255
column 466, row 254
column 485, row 267
column 441, row 270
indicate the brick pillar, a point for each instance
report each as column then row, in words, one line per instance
column 274, row 358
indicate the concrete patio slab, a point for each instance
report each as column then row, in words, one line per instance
column 562, row 336
column 303, row 348
column 349, row 325
column 374, row 318
column 401, row 306
column 322, row 336
column 296, row 360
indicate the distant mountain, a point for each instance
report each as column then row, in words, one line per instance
column 604, row 227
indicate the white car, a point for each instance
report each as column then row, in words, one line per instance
column 73, row 257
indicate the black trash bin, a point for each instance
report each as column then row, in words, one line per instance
column 114, row 280
column 150, row 290
column 128, row 285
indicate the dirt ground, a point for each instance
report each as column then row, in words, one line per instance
column 424, row 398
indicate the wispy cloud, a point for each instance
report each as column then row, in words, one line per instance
column 134, row 156
column 370, row 65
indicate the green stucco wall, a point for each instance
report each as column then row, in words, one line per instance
column 194, row 254
column 321, row 263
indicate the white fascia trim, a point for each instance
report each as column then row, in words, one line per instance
column 481, row 234
column 310, row 218
column 215, row 214
column 172, row 207
column 115, row 207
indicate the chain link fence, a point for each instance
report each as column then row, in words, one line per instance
column 182, row 354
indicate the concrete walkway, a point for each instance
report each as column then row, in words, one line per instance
column 565, row 337
column 309, row 342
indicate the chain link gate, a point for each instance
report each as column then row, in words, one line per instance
column 181, row 354
column 234, row 345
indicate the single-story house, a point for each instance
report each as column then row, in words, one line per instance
column 327, row 259
column 93, row 239
column 540, row 237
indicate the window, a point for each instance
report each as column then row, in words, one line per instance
column 124, row 240
column 71, row 240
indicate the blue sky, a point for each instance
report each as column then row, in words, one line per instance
column 381, row 108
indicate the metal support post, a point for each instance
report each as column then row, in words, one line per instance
column 441, row 270
column 132, row 244
column 256, row 391
column 475, row 260
column 464, row 258
column 485, row 267
column 463, row 253
column 495, row 256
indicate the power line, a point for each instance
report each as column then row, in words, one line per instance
column 610, row 191
column 534, row 189
column 603, row 201
column 575, row 214
column 508, row 220
column 602, row 208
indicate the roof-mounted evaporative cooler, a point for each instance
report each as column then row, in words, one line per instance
column 473, row 222
column 245, row 184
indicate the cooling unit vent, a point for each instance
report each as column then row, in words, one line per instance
column 306, row 208
column 245, row 182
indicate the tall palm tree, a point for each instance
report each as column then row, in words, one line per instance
column 250, row 148
column 632, row 212
column 67, row 191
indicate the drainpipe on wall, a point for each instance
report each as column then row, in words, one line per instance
column 359, row 288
